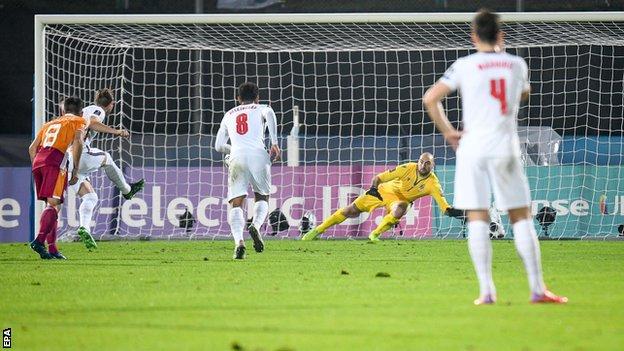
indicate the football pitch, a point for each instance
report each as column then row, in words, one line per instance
column 322, row 295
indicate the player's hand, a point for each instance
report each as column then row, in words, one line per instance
column 123, row 133
column 374, row 192
column 74, row 179
column 455, row 213
column 452, row 137
column 275, row 153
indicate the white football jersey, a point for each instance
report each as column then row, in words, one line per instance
column 245, row 126
column 92, row 111
column 490, row 85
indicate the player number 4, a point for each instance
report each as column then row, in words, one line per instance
column 241, row 124
column 497, row 90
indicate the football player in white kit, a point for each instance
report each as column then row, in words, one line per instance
column 249, row 162
column 491, row 84
column 93, row 159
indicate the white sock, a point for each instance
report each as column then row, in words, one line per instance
column 115, row 175
column 260, row 211
column 87, row 204
column 237, row 223
column 529, row 250
column 480, row 248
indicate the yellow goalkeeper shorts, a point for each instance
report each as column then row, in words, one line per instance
column 367, row 203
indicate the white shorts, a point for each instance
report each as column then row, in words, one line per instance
column 90, row 161
column 245, row 169
column 476, row 178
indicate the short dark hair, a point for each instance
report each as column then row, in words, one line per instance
column 248, row 91
column 486, row 26
column 104, row 97
column 73, row 105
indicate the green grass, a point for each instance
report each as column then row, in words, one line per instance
column 193, row 296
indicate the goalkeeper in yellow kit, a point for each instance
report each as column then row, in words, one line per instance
column 395, row 190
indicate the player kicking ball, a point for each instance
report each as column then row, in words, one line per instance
column 249, row 162
column 491, row 84
column 49, row 168
column 93, row 159
column 394, row 190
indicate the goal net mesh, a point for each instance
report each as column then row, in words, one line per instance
column 358, row 91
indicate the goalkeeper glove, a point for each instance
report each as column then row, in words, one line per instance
column 374, row 192
column 455, row 213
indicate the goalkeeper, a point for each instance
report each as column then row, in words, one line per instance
column 395, row 190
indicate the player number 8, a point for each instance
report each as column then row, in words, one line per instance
column 50, row 135
column 241, row 124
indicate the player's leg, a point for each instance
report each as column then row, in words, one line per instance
column 363, row 203
column 260, row 177
column 115, row 175
column 90, row 161
column 55, row 201
column 45, row 181
column 480, row 248
column 238, row 181
column 360, row 205
column 47, row 222
column 260, row 212
column 511, row 191
column 473, row 193
column 395, row 210
column 236, row 219
column 51, row 235
column 528, row 248
column 88, row 201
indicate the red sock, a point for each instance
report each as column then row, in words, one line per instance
column 52, row 240
column 47, row 221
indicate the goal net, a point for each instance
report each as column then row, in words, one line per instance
column 347, row 91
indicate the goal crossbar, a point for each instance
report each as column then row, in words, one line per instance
column 448, row 17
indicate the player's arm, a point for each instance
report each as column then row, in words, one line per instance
column 435, row 110
column 77, row 145
column 525, row 94
column 432, row 101
column 438, row 195
column 271, row 121
column 32, row 149
column 100, row 127
column 221, row 144
column 526, row 86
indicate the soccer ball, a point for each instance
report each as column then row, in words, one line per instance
column 496, row 225
column 496, row 231
column 308, row 221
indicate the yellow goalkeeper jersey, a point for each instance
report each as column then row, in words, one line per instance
column 407, row 184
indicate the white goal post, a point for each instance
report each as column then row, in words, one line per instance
column 350, row 86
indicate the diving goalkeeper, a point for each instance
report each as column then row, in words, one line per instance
column 395, row 190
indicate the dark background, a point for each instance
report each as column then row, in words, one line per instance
column 17, row 21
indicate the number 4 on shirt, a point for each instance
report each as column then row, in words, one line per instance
column 497, row 90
